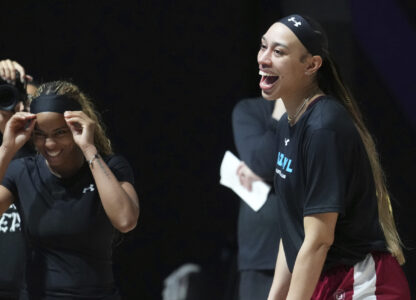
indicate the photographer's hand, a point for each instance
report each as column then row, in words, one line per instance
column 8, row 70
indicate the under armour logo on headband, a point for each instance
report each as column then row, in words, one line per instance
column 313, row 40
column 295, row 23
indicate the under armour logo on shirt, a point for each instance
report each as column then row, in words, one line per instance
column 296, row 23
column 90, row 188
column 287, row 141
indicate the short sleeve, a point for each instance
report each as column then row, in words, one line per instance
column 121, row 168
column 9, row 179
column 325, row 172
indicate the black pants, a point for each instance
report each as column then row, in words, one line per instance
column 255, row 284
column 24, row 295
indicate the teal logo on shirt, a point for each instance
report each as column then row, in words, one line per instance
column 284, row 162
column 283, row 165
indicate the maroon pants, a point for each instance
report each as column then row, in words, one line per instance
column 377, row 277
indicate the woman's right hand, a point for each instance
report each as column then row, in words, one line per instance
column 18, row 130
column 247, row 176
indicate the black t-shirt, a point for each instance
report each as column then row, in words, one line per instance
column 12, row 244
column 322, row 166
column 254, row 136
column 12, row 253
column 69, row 234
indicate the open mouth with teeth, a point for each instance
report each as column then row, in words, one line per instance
column 267, row 80
column 52, row 156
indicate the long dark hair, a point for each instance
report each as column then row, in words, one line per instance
column 330, row 82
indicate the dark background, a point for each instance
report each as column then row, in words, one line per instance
column 166, row 75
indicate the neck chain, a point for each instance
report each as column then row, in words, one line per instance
column 296, row 114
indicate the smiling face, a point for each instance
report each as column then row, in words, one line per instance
column 54, row 141
column 282, row 63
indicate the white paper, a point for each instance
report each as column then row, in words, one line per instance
column 229, row 178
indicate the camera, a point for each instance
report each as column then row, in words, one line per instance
column 11, row 94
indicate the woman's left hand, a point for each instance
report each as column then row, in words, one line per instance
column 82, row 128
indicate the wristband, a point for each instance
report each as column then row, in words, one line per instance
column 91, row 161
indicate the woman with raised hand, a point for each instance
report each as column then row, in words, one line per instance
column 338, row 237
column 73, row 195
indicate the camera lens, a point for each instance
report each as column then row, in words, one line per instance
column 9, row 97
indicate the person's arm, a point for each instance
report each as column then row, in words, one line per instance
column 119, row 199
column 278, row 109
column 254, row 135
column 319, row 236
column 17, row 132
column 6, row 197
column 281, row 278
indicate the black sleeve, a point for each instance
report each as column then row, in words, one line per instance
column 121, row 168
column 9, row 179
column 254, row 135
column 325, row 172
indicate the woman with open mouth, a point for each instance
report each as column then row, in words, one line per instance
column 73, row 196
column 338, row 237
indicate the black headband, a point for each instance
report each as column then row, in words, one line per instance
column 53, row 103
column 304, row 32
